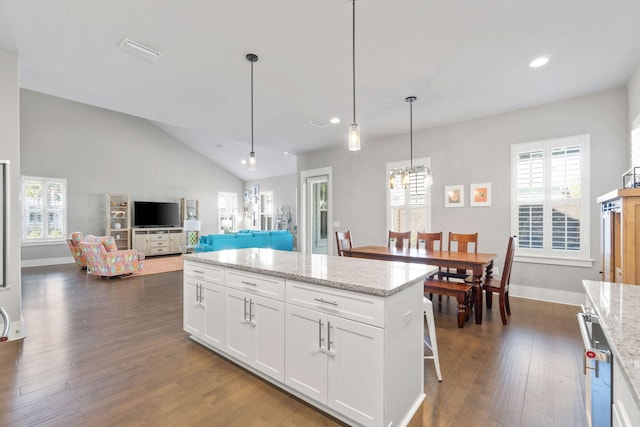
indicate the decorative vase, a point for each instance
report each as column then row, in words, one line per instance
column 117, row 225
column 118, row 236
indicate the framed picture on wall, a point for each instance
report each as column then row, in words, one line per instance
column 255, row 190
column 454, row 196
column 480, row 194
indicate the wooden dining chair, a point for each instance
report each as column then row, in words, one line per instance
column 430, row 240
column 343, row 240
column 501, row 286
column 398, row 238
column 431, row 342
column 461, row 243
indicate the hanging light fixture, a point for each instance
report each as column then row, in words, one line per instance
column 252, row 156
column 354, row 129
column 405, row 173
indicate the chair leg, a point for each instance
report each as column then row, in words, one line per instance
column 503, row 314
column 428, row 313
column 462, row 309
column 506, row 302
column 488, row 295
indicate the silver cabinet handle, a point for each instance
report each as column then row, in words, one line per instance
column 320, row 335
column 245, row 310
column 249, row 283
column 325, row 301
column 330, row 351
column 198, row 271
column 251, row 321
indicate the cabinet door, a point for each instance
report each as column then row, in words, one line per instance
column 238, row 330
column 267, row 319
column 355, row 370
column 193, row 320
column 213, row 302
column 306, row 352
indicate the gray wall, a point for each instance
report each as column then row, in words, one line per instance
column 478, row 151
column 633, row 89
column 10, row 297
column 100, row 151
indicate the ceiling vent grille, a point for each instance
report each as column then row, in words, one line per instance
column 140, row 50
column 319, row 123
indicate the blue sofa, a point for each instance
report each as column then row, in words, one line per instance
column 277, row 239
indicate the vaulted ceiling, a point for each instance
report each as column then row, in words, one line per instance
column 462, row 59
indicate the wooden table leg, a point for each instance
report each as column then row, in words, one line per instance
column 462, row 310
column 477, row 284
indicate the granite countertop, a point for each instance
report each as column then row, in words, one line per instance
column 381, row 278
column 617, row 307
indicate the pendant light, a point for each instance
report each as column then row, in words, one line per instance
column 252, row 156
column 354, row 129
column 405, row 173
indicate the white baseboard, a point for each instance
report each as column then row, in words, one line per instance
column 46, row 261
column 548, row 295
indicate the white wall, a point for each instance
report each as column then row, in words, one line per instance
column 10, row 298
column 478, row 151
column 633, row 90
column 100, row 151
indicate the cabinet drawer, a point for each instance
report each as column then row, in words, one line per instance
column 154, row 237
column 204, row 271
column 367, row 309
column 268, row 286
column 154, row 244
column 158, row 251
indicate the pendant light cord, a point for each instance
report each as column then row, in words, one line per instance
column 411, row 134
column 252, row 106
column 354, row 60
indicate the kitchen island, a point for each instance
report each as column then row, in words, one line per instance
column 341, row 333
column 617, row 307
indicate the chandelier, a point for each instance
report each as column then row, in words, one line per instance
column 406, row 172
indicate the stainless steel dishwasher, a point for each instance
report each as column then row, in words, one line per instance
column 598, row 369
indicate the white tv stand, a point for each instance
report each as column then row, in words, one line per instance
column 158, row 241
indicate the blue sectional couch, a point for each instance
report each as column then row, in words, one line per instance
column 277, row 239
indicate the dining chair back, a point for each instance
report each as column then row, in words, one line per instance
column 461, row 243
column 500, row 285
column 428, row 241
column 343, row 240
column 397, row 239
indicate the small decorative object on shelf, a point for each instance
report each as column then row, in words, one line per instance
column 631, row 178
column 117, row 219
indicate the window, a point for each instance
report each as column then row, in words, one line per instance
column 266, row 210
column 635, row 144
column 227, row 211
column 408, row 209
column 44, row 209
column 550, row 200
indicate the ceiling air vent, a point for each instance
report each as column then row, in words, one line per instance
column 319, row 123
column 140, row 50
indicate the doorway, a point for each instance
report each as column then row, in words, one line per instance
column 316, row 227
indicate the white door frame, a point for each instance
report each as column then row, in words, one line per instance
column 305, row 212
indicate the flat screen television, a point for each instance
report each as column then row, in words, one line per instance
column 156, row 214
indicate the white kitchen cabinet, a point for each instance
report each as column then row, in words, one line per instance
column 626, row 412
column 336, row 362
column 357, row 355
column 203, row 303
column 255, row 331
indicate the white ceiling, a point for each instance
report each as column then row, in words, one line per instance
column 462, row 59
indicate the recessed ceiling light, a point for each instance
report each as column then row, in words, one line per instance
column 335, row 120
column 140, row 50
column 286, row 153
column 539, row 62
column 243, row 161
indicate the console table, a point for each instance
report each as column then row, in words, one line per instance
column 158, row 241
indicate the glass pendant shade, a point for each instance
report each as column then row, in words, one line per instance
column 392, row 180
column 406, row 177
column 354, row 137
column 253, row 164
column 428, row 180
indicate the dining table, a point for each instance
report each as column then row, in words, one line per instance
column 481, row 264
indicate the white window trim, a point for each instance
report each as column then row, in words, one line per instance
column 47, row 241
column 423, row 161
column 548, row 255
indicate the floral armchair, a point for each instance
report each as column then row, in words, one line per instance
column 74, row 245
column 105, row 260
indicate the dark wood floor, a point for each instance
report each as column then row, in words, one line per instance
column 112, row 352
